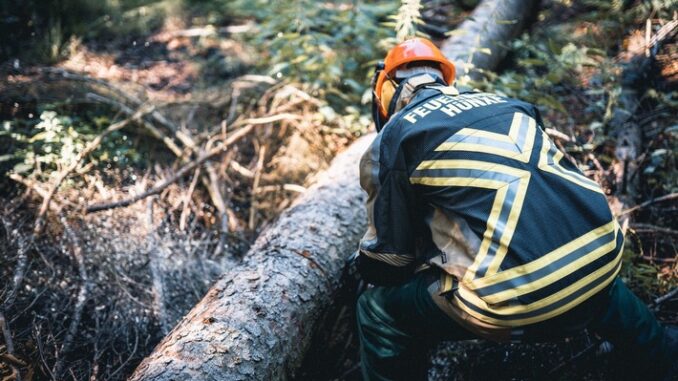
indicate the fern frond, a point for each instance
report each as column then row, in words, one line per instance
column 408, row 17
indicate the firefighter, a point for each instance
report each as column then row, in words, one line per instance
column 478, row 227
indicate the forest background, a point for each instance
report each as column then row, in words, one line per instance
column 145, row 144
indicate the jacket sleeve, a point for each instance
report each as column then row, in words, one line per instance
column 537, row 117
column 387, row 248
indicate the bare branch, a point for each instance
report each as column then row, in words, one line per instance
column 668, row 197
column 187, row 200
column 179, row 174
column 255, row 185
column 649, row 228
column 76, row 251
column 39, row 222
column 153, row 130
column 665, row 297
column 156, row 271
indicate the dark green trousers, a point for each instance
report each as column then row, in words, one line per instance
column 398, row 325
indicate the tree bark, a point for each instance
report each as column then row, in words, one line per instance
column 492, row 24
column 257, row 321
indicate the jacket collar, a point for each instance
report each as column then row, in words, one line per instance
column 407, row 89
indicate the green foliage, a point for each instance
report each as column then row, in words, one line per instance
column 41, row 31
column 407, row 19
column 38, row 148
column 327, row 46
column 645, row 278
column 545, row 70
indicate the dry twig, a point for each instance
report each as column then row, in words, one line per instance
column 665, row 297
column 34, row 186
column 668, row 197
column 39, row 222
column 179, row 174
column 153, row 130
column 58, row 368
column 11, row 360
column 255, row 185
column 212, row 185
column 187, row 200
column 649, row 228
column 156, row 271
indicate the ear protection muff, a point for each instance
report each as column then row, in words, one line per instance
column 388, row 89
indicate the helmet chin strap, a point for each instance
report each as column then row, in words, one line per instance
column 407, row 87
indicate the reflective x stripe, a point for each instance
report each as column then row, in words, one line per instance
column 486, row 293
column 516, row 145
column 549, row 161
column 556, row 268
column 553, row 305
column 510, row 185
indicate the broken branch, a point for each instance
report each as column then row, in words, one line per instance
column 668, row 197
column 39, row 222
column 179, row 174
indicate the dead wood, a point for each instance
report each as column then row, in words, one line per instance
column 9, row 345
column 153, row 130
column 257, row 321
column 479, row 43
column 665, row 297
column 91, row 146
column 623, row 124
column 83, row 293
column 187, row 199
column 154, row 260
column 668, row 197
column 179, row 174
column 255, row 186
column 11, row 359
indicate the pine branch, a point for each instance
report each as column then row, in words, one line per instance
column 409, row 15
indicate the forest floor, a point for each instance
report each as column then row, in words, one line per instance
column 200, row 79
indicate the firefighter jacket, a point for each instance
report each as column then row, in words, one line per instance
column 471, row 184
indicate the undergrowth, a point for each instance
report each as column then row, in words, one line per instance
column 314, row 61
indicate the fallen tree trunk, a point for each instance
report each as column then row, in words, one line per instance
column 258, row 320
column 480, row 41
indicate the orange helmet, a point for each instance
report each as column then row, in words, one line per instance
column 412, row 50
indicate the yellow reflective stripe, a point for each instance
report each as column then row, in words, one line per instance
column 526, row 149
column 472, row 147
column 565, row 292
column 524, row 152
column 484, row 134
column 489, row 232
column 554, row 276
column 571, row 176
column 471, row 164
column 446, row 283
column 551, row 257
column 510, row 226
column 515, row 126
column 458, row 182
column 497, row 205
column 529, row 140
column 554, row 298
